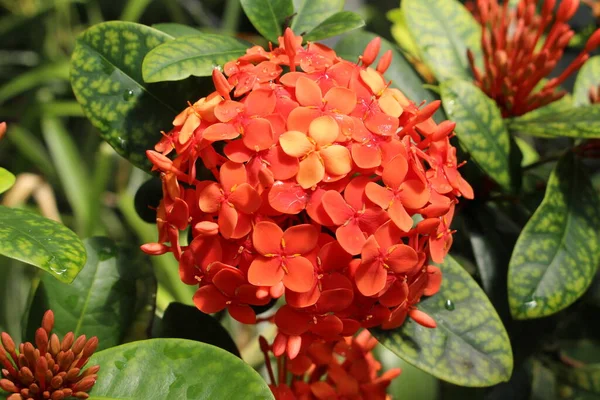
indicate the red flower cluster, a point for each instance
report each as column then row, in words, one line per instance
column 345, row 369
column 521, row 47
column 330, row 187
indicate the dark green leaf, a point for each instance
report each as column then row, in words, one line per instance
column 41, row 242
column 160, row 369
column 147, row 199
column 177, row 30
column 480, row 129
column 6, row 180
column 469, row 347
column 190, row 55
column 187, row 322
column 268, row 16
column 106, row 76
column 401, row 73
column 557, row 253
column 577, row 122
column 443, row 31
column 338, row 23
column 310, row 13
column 587, row 78
column 16, row 280
column 103, row 300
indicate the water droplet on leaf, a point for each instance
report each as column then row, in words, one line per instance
column 128, row 94
column 531, row 304
column 217, row 67
column 449, row 305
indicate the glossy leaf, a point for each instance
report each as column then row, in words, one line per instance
column 443, row 31
column 479, row 128
column 16, row 280
column 195, row 55
column 310, row 13
column 558, row 251
column 587, row 78
column 338, row 23
column 187, row 322
column 106, row 76
column 577, row 122
column 401, row 73
column 177, row 30
column 41, row 242
column 268, row 16
column 103, row 300
column 469, row 347
column 7, row 179
column 161, row 369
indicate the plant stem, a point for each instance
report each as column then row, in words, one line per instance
column 231, row 16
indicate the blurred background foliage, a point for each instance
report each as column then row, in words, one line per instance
column 65, row 172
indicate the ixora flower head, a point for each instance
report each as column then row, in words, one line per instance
column 331, row 188
column 50, row 369
column 521, row 47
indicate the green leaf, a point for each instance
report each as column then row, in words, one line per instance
column 338, row 23
column 577, row 122
column 187, row 322
column 103, row 300
column 34, row 77
column 16, row 280
column 469, row 347
column 530, row 154
column 310, row 13
column 268, row 16
column 161, row 369
column 480, row 129
column 41, row 242
column 106, row 76
column 401, row 73
column 190, row 55
column 587, row 78
column 177, row 30
column 6, row 180
column 558, row 251
column 444, row 30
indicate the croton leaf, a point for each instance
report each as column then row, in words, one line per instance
column 587, row 78
column 557, row 253
column 310, row 13
column 577, row 122
column 159, row 369
column 190, row 55
column 337, row 24
column 105, row 300
column 443, row 31
column 480, row 129
column 7, row 179
column 469, row 347
column 401, row 73
column 268, row 16
column 177, row 30
column 106, row 76
column 41, row 242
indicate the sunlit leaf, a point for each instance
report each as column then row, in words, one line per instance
column 310, row 13
column 6, row 180
column 338, row 23
column 558, row 251
column 577, row 122
column 268, row 16
column 587, row 78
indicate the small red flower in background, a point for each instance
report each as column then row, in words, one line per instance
column 49, row 370
column 320, row 177
column 521, row 47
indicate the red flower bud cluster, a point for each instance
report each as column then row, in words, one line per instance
column 331, row 188
column 521, row 47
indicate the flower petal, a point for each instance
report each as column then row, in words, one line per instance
column 300, row 276
column 219, row 131
column 366, row 156
column 324, row 130
column 395, row 295
column 311, row 171
column 209, row 299
column 434, row 280
column 400, row 217
column 301, row 117
column 379, row 195
column 260, row 102
column 245, row 198
column 336, row 207
column 266, row 238
column 308, row 93
column 265, row 271
column 395, row 171
column 333, row 257
column 242, row 313
column 414, row 194
column 237, row 152
column 300, row 239
column 287, row 197
column 351, row 238
column 280, row 164
column 259, row 134
column 315, row 208
column 337, row 160
column 228, row 110
column 228, row 219
column 291, row 321
column 228, row 279
column 382, row 124
column 210, row 198
column 402, row 258
column 302, row 300
column 340, row 100
column 370, row 278
column 295, row 144
column 232, row 174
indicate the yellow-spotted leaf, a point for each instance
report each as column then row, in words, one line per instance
column 443, row 31
column 338, row 23
column 480, row 129
column 310, row 13
column 587, row 78
column 106, row 76
column 558, row 251
column 190, row 55
column 41, row 242
column 177, row 30
column 268, row 16
column 576, row 122
column 469, row 346
column 7, row 179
